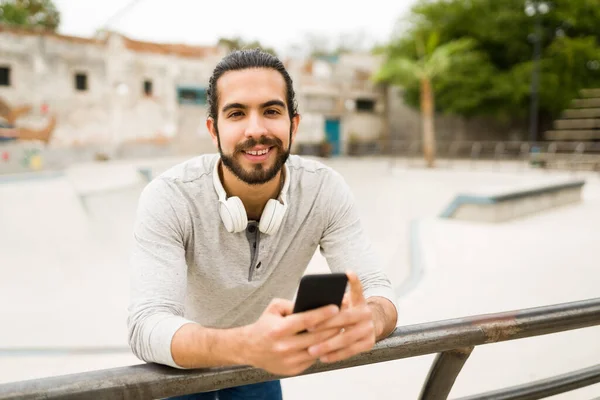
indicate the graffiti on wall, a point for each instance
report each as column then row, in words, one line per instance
column 10, row 132
column 32, row 159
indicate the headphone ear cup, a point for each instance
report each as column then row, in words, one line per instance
column 226, row 217
column 238, row 214
column 272, row 217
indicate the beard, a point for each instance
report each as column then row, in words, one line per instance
column 258, row 174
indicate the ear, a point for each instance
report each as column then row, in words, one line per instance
column 295, row 124
column 211, row 125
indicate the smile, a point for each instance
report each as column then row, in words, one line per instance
column 258, row 152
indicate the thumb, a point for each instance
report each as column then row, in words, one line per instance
column 346, row 301
column 280, row 307
column 356, row 290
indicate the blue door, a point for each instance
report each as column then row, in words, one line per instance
column 332, row 134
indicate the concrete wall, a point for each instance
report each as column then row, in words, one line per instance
column 405, row 124
column 312, row 128
column 363, row 125
column 22, row 157
column 193, row 136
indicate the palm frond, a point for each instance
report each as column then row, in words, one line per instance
column 399, row 71
column 440, row 60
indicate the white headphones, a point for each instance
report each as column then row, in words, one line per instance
column 233, row 213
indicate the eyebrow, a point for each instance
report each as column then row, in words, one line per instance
column 269, row 103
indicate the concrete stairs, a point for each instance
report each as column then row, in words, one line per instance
column 581, row 122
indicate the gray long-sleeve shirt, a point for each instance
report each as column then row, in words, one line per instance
column 186, row 267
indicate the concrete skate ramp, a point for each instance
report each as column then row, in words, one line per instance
column 499, row 204
column 66, row 238
column 108, row 194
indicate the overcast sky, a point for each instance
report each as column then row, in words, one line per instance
column 277, row 24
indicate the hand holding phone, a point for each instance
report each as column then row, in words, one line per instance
column 355, row 323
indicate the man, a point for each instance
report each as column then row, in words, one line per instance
column 221, row 242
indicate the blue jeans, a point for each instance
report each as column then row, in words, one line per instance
column 257, row 391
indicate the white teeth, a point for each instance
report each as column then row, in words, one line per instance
column 258, row 153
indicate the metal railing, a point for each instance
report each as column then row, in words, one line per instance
column 484, row 148
column 452, row 339
column 570, row 155
column 562, row 155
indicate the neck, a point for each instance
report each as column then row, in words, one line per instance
column 254, row 197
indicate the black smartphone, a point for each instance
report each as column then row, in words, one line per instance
column 319, row 290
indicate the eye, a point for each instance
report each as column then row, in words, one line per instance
column 235, row 114
column 272, row 112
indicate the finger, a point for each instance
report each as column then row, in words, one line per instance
column 300, row 322
column 356, row 290
column 281, row 307
column 350, row 316
column 299, row 368
column 304, row 340
column 343, row 340
column 300, row 357
column 352, row 350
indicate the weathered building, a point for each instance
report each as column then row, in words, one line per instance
column 110, row 90
column 338, row 102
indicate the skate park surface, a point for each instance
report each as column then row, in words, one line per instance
column 64, row 283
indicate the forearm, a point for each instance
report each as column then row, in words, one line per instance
column 385, row 316
column 194, row 346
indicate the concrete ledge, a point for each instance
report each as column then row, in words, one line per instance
column 498, row 205
column 30, row 176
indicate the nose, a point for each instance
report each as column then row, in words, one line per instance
column 256, row 126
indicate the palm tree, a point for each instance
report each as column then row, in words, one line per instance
column 432, row 60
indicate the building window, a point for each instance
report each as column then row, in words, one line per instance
column 189, row 95
column 81, row 82
column 148, row 87
column 365, row 105
column 4, row 76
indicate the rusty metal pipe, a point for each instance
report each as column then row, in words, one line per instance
column 544, row 387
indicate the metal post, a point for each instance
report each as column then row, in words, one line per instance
column 525, row 150
column 535, row 9
column 443, row 373
column 537, row 49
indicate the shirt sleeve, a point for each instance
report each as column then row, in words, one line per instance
column 345, row 245
column 158, row 274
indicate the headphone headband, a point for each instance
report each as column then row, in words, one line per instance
column 217, row 182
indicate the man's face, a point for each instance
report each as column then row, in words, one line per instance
column 254, row 131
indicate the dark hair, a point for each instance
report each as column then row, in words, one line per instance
column 245, row 59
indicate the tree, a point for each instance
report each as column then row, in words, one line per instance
column 237, row 43
column 429, row 62
column 495, row 79
column 30, row 13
